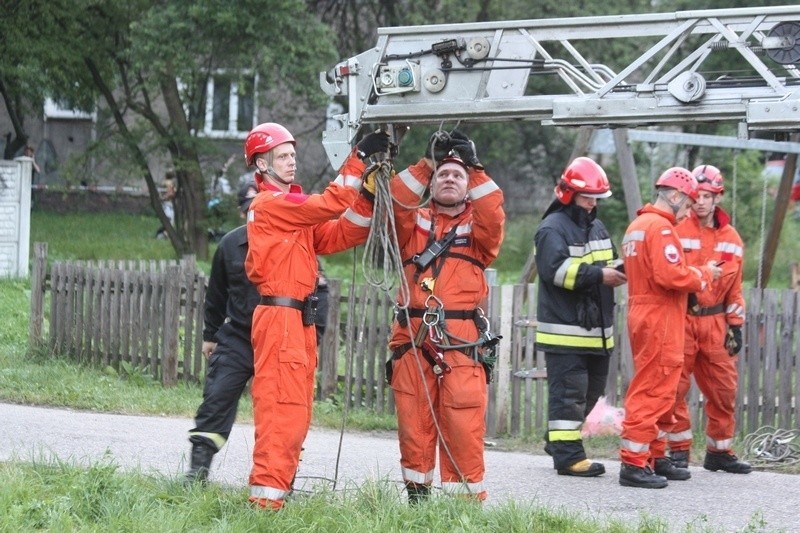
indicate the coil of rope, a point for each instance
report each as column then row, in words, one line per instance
column 771, row 447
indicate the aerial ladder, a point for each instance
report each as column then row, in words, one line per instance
column 486, row 72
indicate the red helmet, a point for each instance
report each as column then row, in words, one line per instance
column 582, row 176
column 452, row 159
column 264, row 138
column 681, row 179
column 709, row 179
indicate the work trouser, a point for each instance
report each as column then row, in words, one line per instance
column 458, row 402
column 574, row 384
column 716, row 376
column 230, row 366
column 285, row 360
column 657, row 337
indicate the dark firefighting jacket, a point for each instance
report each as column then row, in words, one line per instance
column 575, row 311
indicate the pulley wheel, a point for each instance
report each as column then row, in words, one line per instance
column 788, row 51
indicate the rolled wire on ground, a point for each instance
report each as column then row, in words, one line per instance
column 768, row 447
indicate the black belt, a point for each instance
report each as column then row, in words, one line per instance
column 282, row 301
column 706, row 311
column 454, row 314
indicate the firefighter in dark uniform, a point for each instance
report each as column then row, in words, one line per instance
column 229, row 304
column 575, row 258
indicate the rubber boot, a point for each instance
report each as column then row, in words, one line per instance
column 202, row 454
column 583, row 468
column 417, row 492
column 727, row 462
column 640, row 477
column 680, row 458
column 665, row 467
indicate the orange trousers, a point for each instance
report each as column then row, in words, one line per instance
column 657, row 361
column 285, row 361
column 716, row 376
column 458, row 400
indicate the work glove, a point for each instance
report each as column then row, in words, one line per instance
column 733, row 340
column 372, row 175
column 466, row 151
column 372, row 143
column 441, row 143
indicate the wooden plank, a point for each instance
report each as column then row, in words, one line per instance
column 785, row 359
column 516, row 360
column 493, row 308
column 770, row 363
column 755, row 332
column 115, row 280
column 350, row 332
column 80, row 313
column 125, row 319
column 54, row 297
column 373, row 349
column 97, row 330
column 504, row 361
column 329, row 352
column 69, row 310
column 382, row 351
column 534, row 389
column 795, row 362
column 105, row 315
column 360, row 353
column 38, row 289
column 169, row 359
column 134, row 311
column 197, row 316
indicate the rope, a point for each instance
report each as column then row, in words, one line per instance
column 735, row 186
column 382, row 263
column 770, row 447
column 763, row 225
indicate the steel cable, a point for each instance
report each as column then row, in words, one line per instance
column 771, row 447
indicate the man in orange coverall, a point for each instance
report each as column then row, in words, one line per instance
column 441, row 392
column 659, row 281
column 286, row 230
column 713, row 329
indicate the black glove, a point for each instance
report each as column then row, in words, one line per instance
column 733, row 340
column 373, row 143
column 441, row 143
column 466, row 151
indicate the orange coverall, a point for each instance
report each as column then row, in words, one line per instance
column 458, row 399
column 286, row 231
column 659, row 281
column 705, row 354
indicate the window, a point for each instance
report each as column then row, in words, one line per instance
column 230, row 110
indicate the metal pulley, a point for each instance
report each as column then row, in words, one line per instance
column 687, row 87
column 782, row 44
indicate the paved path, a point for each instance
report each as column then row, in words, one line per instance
column 761, row 501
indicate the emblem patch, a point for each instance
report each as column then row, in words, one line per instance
column 671, row 253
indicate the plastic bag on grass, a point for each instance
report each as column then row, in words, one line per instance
column 603, row 420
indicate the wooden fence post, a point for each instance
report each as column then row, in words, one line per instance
column 38, row 287
column 503, row 383
column 329, row 351
column 172, row 306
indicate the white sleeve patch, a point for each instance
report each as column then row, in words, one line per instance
column 666, row 231
column 671, row 253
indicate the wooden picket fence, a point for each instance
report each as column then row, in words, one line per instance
column 148, row 317
column 142, row 316
column 769, row 387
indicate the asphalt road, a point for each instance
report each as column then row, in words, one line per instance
column 761, row 501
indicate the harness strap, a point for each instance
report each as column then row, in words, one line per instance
column 450, row 314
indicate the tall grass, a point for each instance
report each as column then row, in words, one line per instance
column 56, row 496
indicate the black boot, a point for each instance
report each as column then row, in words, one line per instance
column 417, row 492
column 680, row 458
column 664, row 467
column 202, row 454
column 584, row 468
column 643, row 478
column 727, row 462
